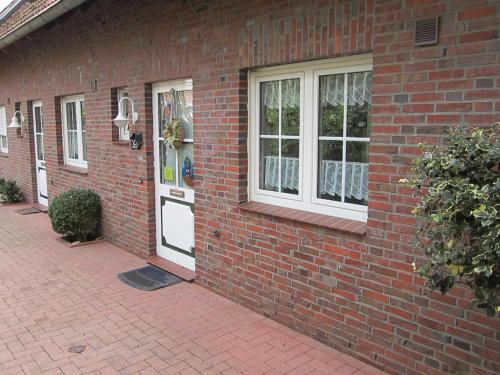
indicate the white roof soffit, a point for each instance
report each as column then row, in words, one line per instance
column 39, row 20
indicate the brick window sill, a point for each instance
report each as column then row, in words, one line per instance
column 334, row 223
column 4, row 155
column 70, row 168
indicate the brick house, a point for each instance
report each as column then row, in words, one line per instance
column 299, row 119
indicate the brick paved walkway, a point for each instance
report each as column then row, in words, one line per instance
column 53, row 297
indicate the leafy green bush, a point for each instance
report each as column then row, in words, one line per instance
column 76, row 214
column 460, row 207
column 10, row 192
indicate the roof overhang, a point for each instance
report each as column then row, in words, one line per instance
column 38, row 20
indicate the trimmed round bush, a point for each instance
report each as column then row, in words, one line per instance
column 75, row 214
column 10, row 192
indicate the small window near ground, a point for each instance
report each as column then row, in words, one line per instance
column 3, row 131
column 310, row 134
column 75, row 135
column 123, row 133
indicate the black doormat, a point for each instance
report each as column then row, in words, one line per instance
column 148, row 278
column 27, row 211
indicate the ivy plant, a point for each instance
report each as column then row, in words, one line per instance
column 459, row 213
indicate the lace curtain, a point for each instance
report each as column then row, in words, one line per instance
column 356, row 176
column 359, row 90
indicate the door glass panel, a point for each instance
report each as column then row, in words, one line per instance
column 39, row 133
column 167, row 165
column 38, row 120
column 183, row 109
column 176, row 165
column 39, row 147
column 186, row 178
column 330, row 170
column 165, row 110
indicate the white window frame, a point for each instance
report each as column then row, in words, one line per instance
column 309, row 72
column 123, row 133
column 4, row 148
column 77, row 99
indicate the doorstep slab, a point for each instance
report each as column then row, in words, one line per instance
column 171, row 267
column 41, row 207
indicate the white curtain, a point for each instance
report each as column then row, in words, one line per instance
column 359, row 90
column 290, row 91
column 356, row 176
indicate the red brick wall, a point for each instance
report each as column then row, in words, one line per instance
column 356, row 293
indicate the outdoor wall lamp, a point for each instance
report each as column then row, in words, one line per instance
column 122, row 120
column 15, row 123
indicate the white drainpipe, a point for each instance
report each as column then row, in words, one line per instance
column 41, row 19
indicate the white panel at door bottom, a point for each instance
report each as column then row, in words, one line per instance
column 42, row 182
column 178, row 225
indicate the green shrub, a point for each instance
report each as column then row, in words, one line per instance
column 460, row 207
column 76, row 214
column 10, row 192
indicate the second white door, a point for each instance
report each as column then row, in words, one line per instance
column 41, row 171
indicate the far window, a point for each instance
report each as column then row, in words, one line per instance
column 310, row 133
column 3, row 131
column 123, row 132
column 75, row 143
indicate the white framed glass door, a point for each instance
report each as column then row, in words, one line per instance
column 41, row 171
column 174, row 171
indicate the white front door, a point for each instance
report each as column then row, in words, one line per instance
column 174, row 197
column 41, row 172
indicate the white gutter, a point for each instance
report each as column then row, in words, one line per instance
column 39, row 20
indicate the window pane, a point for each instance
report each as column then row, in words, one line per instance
column 330, row 170
column 82, row 114
column 290, row 166
column 269, row 164
column 167, row 164
column 71, row 116
column 331, row 105
column 269, row 108
column 356, row 179
column 358, row 104
column 3, row 141
column 125, row 103
column 72, row 145
column 290, row 106
column 84, row 145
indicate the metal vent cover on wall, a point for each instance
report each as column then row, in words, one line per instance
column 426, row 31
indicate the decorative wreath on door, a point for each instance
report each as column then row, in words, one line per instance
column 173, row 133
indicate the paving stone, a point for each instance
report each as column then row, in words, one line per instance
column 181, row 329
